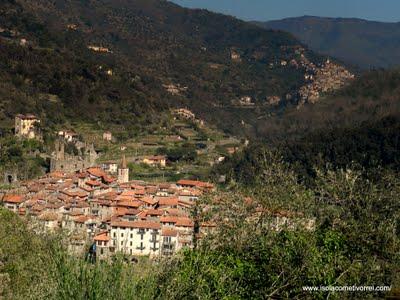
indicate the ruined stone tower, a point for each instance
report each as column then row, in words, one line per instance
column 123, row 171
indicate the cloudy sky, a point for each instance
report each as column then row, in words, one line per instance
column 264, row 10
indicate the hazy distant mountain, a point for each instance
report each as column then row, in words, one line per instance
column 359, row 42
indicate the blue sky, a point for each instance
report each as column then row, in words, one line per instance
column 264, row 10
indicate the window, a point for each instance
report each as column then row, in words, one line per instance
column 122, row 234
column 131, row 243
column 131, row 236
column 115, row 234
column 141, row 237
column 122, row 243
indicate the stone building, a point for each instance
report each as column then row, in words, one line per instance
column 107, row 136
column 61, row 161
column 123, row 172
column 25, row 126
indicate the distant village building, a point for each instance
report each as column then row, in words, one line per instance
column 273, row 100
column 136, row 238
column 110, row 167
column 235, row 55
column 68, row 135
column 72, row 27
column 184, row 113
column 159, row 160
column 99, row 49
column 13, row 202
column 175, row 89
column 25, row 126
column 102, row 241
column 123, row 172
column 107, row 136
column 246, row 101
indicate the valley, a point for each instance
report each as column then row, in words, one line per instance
column 151, row 151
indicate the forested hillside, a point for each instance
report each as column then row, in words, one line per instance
column 145, row 56
column 370, row 98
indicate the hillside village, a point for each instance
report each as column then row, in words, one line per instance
column 112, row 213
column 103, row 206
column 98, row 204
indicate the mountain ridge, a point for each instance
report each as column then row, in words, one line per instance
column 352, row 40
column 159, row 51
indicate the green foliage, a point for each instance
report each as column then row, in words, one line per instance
column 370, row 146
column 185, row 152
column 354, row 242
column 22, row 156
column 353, row 239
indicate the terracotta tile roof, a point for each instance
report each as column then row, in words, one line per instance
column 121, row 211
column 82, row 219
column 169, row 232
column 128, row 193
column 97, row 172
column 169, row 219
column 164, row 186
column 149, row 200
column 185, row 203
column 103, row 237
column 167, row 201
column 195, row 183
column 184, row 222
column 12, row 198
column 154, row 212
column 175, row 212
column 131, row 204
column 93, row 183
column 136, row 224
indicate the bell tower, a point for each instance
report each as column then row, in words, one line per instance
column 123, row 171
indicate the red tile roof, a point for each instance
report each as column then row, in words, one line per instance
column 137, row 224
column 12, row 198
column 169, row 232
column 184, row 222
column 195, row 183
column 103, row 237
column 167, row 201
